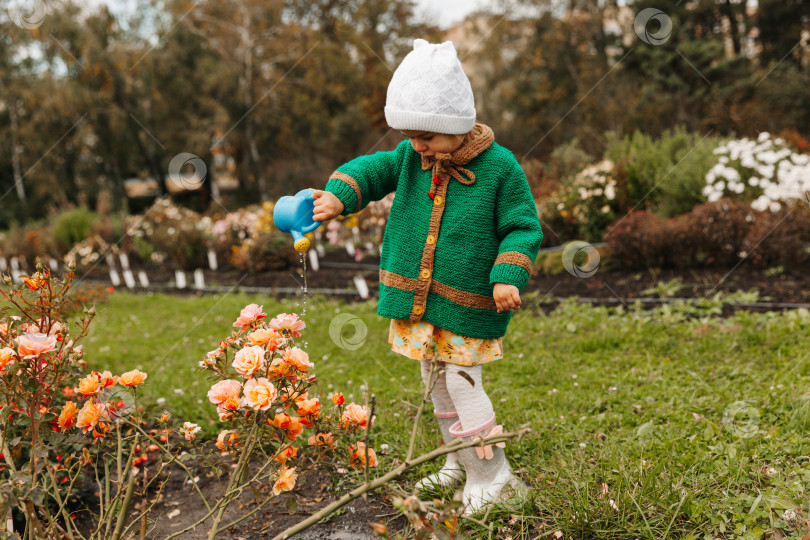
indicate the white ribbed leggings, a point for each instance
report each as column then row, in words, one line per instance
column 459, row 388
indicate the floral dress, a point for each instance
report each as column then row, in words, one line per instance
column 422, row 340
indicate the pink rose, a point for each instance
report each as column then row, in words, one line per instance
column 250, row 314
column 287, row 323
column 224, row 391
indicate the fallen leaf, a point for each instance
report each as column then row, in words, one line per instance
column 173, row 514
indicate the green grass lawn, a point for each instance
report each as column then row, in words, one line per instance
column 695, row 426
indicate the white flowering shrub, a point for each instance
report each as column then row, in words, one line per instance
column 585, row 204
column 765, row 171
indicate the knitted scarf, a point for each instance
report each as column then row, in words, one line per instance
column 476, row 141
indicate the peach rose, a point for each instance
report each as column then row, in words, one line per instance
column 35, row 343
column 224, row 391
column 7, row 357
column 248, row 361
column 262, row 336
column 298, row 359
column 226, row 439
column 67, row 418
column 88, row 416
column 288, row 453
column 287, row 324
column 259, row 394
column 322, row 439
column 358, row 458
column 132, row 378
column 279, row 368
column 285, row 481
column 355, row 414
column 89, row 386
column 249, row 314
column 224, row 414
column 189, row 430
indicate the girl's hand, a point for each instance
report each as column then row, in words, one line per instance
column 327, row 205
column 507, row 297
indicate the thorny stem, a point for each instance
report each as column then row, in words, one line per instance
column 368, row 429
column 124, row 512
column 381, row 481
column 223, row 503
column 419, row 410
column 62, row 503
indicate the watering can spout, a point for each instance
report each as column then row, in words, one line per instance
column 295, row 215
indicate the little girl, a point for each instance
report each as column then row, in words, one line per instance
column 460, row 243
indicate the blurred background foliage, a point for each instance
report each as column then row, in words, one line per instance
column 291, row 89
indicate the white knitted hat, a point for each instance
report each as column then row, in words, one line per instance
column 430, row 92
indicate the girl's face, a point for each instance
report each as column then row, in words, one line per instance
column 428, row 144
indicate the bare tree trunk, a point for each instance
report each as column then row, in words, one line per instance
column 249, row 102
column 15, row 150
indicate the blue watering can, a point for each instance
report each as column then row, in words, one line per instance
column 294, row 215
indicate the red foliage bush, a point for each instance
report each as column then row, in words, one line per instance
column 713, row 234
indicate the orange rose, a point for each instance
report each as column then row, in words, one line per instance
column 101, row 430
column 262, row 336
column 259, row 394
column 338, row 399
column 358, row 459
column 67, row 418
column 292, row 424
column 309, row 407
column 89, row 415
column 322, row 439
column 298, row 359
column 89, row 386
column 280, row 368
column 355, row 414
column 248, row 361
column 287, row 453
column 285, row 481
column 226, row 439
column 7, row 357
column 106, row 379
column 132, row 378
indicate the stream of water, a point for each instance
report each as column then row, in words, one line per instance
column 303, row 261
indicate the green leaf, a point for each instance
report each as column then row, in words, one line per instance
column 755, row 504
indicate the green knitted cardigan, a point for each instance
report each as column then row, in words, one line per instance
column 459, row 223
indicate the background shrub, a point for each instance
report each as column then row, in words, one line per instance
column 720, row 233
column 73, row 226
column 667, row 174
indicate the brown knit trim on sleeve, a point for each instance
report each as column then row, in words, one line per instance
column 343, row 177
column 517, row 258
